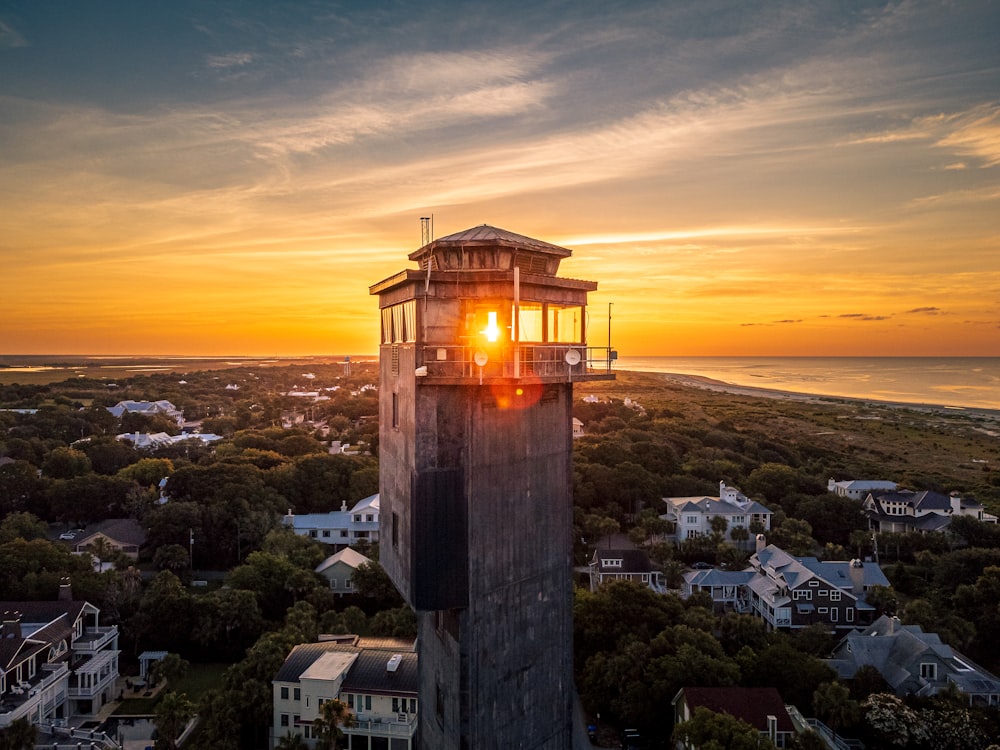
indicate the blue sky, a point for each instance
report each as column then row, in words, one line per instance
column 740, row 178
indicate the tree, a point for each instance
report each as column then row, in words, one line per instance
column 66, row 463
column 371, row 580
column 19, row 735
column 22, row 525
column 173, row 712
column 708, row 730
column 720, row 525
column 833, row 704
column 170, row 668
column 333, row 716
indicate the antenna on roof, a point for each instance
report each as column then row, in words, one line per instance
column 426, row 230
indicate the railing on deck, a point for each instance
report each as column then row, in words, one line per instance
column 512, row 361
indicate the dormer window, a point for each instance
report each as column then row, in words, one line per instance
column 612, row 563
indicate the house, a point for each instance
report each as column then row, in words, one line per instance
column 57, row 662
column 119, row 534
column 577, row 428
column 913, row 662
column 338, row 568
column 761, row 708
column 692, row 516
column 859, row 489
column 729, row 589
column 376, row 678
column 795, row 592
column 149, row 409
column 340, row 528
column 623, row 565
column 155, row 440
column 905, row 510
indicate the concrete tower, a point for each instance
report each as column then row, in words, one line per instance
column 480, row 347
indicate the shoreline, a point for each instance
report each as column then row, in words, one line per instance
column 719, row 386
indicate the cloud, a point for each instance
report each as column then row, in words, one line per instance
column 232, row 60
column 10, row 38
column 864, row 316
column 926, row 310
column 788, row 320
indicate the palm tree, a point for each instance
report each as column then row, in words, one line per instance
column 173, row 712
column 833, row 704
column 333, row 716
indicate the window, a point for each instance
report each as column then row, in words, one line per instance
column 807, row 595
column 850, row 614
column 333, row 583
column 326, row 532
column 823, row 610
column 350, row 700
column 348, row 584
column 297, row 694
column 370, row 517
column 834, row 614
column 691, row 519
column 357, row 518
column 368, row 703
column 284, row 720
column 395, row 705
column 834, row 596
column 312, row 533
column 284, row 694
column 814, row 583
column 612, row 563
column 928, row 671
column 413, row 705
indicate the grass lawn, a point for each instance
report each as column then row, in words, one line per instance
column 200, row 678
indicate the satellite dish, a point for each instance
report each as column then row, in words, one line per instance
column 481, row 358
column 572, row 357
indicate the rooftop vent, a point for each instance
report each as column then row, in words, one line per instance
column 393, row 664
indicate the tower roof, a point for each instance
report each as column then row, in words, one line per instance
column 486, row 247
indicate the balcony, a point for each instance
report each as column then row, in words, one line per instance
column 40, row 695
column 383, row 726
column 553, row 363
column 95, row 639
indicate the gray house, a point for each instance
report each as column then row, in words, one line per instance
column 913, row 662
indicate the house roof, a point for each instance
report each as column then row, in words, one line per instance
column 897, row 651
column 348, row 556
column 370, row 673
column 633, row 561
column 487, row 235
column 122, row 530
column 365, row 659
column 305, row 655
column 715, row 577
column 751, row 704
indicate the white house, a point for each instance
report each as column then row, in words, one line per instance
column 148, row 408
column 339, row 568
column 906, row 510
column 693, row 516
column 375, row 678
column 341, row 527
column 57, row 662
column 859, row 489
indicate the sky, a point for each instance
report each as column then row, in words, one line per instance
column 203, row 177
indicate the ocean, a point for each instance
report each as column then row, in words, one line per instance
column 962, row 382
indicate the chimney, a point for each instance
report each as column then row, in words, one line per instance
column 65, row 590
column 761, row 542
column 956, row 502
column 343, row 506
column 11, row 624
column 393, row 664
column 772, row 728
column 856, row 570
